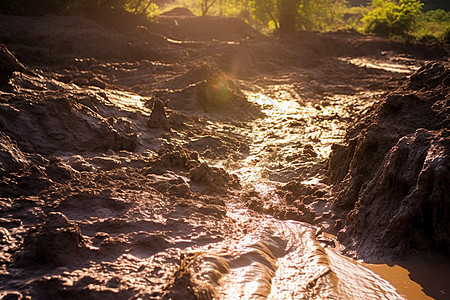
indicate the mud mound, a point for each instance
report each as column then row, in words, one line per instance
column 215, row 179
column 173, row 159
column 11, row 158
column 352, row 43
column 202, row 177
column 214, row 147
column 188, row 28
column 59, row 122
column 392, row 176
column 195, row 74
column 207, row 89
column 184, row 286
column 21, row 173
column 219, row 93
column 53, row 40
column 178, row 11
column 57, row 242
column 158, row 117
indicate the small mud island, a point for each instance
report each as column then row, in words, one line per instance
column 195, row 158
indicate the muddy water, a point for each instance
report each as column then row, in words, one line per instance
column 273, row 259
column 277, row 259
column 406, row 276
column 283, row 260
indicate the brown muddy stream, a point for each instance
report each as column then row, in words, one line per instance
column 278, row 259
column 265, row 257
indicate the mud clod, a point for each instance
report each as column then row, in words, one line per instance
column 50, row 243
column 158, row 117
column 215, row 179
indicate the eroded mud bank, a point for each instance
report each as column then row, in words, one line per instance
column 176, row 161
column 394, row 174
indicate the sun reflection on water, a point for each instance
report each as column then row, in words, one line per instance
column 296, row 133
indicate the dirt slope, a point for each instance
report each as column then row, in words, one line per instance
column 393, row 175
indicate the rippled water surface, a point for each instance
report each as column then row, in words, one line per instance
column 283, row 259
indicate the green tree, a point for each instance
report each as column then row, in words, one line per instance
column 282, row 14
column 446, row 35
column 206, row 5
column 393, row 17
column 288, row 16
column 266, row 12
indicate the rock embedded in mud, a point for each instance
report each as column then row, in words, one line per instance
column 392, row 177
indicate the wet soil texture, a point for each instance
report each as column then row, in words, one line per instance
column 196, row 158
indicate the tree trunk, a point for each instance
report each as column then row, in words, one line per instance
column 288, row 10
column 206, row 5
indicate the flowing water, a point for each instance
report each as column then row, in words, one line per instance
column 277, row 259
column 268, row 258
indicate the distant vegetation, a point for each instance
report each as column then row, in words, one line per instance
column 393, row 18
column 428, row 4
column 405, row 19
column 57, row 6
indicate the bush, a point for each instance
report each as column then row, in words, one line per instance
column 446, row 35
column 393, row 18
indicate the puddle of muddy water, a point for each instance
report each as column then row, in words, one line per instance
column 417, row 279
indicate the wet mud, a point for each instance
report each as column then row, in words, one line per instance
column 198, row 159
column 393, row 175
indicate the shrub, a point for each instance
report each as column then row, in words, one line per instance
column 393, row 18
column 446, row 35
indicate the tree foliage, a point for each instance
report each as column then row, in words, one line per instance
column 288, row 16
column 393, row 17
column 435, row 26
